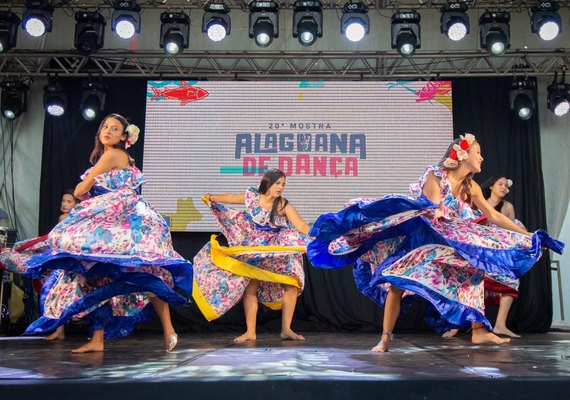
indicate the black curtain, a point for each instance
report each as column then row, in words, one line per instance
column 510, row 146
column 69, row 139
column 330, row 300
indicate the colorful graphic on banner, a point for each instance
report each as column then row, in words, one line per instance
column 334, row 140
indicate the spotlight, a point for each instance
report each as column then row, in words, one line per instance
column 174, row 32
column 545, row 21
column 14, row 99
column 216, row 21
column 455, row 21
column 37, row 17
column 126, row 19
column 8, row 30
column 263, row 22
column 406, row 33
column 558, row 99
column 354, row 23
column 521, row 97
column 307, row 21
column 92, row 100
column 494, row 31
column 55, row 100
column 89, row 31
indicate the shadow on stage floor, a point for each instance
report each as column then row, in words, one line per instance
column 325, row 366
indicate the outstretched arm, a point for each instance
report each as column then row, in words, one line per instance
column 493, row 215
column 109, row 160
column 296, row 220
column 231, row 198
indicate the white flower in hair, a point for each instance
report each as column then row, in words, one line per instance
column 469, row 137
column 509, row 183
column 132, row 135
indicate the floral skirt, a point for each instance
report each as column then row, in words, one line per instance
column 395, row 241
column 104, row 262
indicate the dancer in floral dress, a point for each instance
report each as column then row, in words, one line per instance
column 264, row 261
column 500, row 290
column 115, row 249
column 429, row 244
column 68, row 201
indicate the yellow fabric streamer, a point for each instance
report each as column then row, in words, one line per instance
column 209, row 313
column 222, row 257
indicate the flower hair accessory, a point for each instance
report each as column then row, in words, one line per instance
column 459, row 151
column 132, row 135
column 509, row 184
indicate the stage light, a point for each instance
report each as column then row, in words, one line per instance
column 263, row 22
column 494, row 31
column 545, row 20
column 521, row 97
column 216, row 22
column 354, row 23
column 406, row 32
column 89, row 32
column 307, row 21
column 126, row 19
column 455, row 21
column 8, row 30
column 558, row 99
column 37, row 17
column 174, row 32
column 14, row 98
column 92, row 100
column 55, row 99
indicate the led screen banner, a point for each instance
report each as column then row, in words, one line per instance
column 334, row 140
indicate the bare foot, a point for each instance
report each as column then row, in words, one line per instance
column 483, row 336
column 170, row 341
column 450, row 334
column 290, row 335
column 58, row 334
column 245, row 337
column 89, row 347
column 503, row 330
column 384, row 343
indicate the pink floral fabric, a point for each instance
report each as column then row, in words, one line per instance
column 251, row 227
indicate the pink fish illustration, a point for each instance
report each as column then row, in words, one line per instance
column 429, row 91
column 185, row 93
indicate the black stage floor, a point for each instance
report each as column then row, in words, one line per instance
column 325, row 366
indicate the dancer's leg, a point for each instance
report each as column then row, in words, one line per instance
column 450, row 333
column 250, row 307
column 391, row 312
column 289, row 301
column 58, row 334
column 95, row 344
column 500, row 328
column 163, row 310
column 480, row 335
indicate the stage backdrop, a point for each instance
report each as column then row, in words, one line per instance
column 334, row 140
column 330, row 300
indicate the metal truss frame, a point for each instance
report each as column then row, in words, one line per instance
column 282, row 65
column 287, row 4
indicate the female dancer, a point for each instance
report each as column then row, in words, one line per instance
column 263, row 262
column 116, row 250
column 499, row 289
column 430, row 245
column 68, row 201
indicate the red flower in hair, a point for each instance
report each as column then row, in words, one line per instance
column 453, row 155
column 464, row 144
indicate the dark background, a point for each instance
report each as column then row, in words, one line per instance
column 330, row 300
